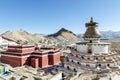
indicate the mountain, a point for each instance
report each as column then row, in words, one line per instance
column 23, row 35
column 110, row 34
column 64, row 34
column 106, row 35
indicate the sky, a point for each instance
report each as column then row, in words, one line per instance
column 48, row 16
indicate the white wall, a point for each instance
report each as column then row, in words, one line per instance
column 82, row 48
column 99, row 49
column 93, row 65
column 96, row 48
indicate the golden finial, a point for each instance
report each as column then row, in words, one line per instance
column 91, row 20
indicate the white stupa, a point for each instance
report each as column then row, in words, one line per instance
column 91, row 55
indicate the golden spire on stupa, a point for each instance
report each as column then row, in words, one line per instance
column 91, row 31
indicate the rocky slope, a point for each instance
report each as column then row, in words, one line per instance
column 64, row 34
column 24, row 36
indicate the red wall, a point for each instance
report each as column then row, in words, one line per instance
column 26, row 61
column 35, row 62
column 14, row 61
column 54, row 59
column 22, row 51
column 51, row 59
column 43, row 61
column 11, row 60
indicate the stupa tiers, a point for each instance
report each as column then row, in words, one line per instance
column 91, row 54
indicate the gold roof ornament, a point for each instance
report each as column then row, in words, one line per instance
column 91, row 23
column 91, row 33
column 91, row 20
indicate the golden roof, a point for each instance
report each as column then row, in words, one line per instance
column 91, row 31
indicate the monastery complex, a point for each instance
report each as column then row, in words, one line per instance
column 21, row 55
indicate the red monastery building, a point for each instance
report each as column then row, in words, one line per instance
column 29, row 55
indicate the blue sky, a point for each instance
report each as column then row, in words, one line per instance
column 48, row 16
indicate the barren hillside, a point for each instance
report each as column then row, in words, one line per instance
column 64, row 34
column 23, row 35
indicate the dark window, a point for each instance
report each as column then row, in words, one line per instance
column 96, row 58
column 82, row 57
column 76, row 55
column 68, row 67
column 78, row 63
column 75, row 70
column 50, row 60
column 108, row 65
column 99, row 65
column 90, row 41
column 89, row 51
column 72, row 61
column 104, row 58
